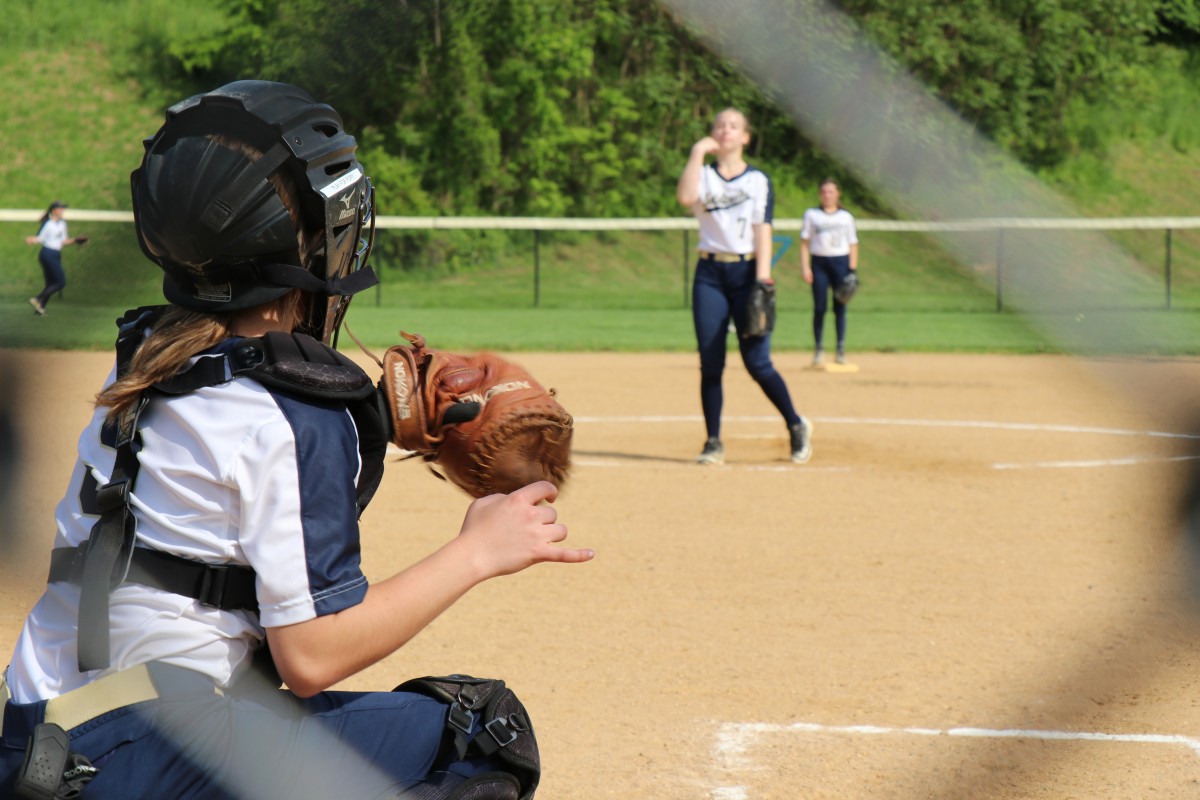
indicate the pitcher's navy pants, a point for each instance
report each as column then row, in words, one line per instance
column 719, row 293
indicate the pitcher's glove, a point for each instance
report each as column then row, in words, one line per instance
column 760, row 310
column 847, row 288
column 482, row 419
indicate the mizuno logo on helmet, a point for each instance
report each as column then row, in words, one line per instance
column 346, row 211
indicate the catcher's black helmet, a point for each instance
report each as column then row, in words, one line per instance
column 210, row 218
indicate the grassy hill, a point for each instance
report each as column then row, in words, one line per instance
column 81, row 95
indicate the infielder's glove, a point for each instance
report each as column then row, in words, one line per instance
column 760, row 310
column 81, row 240
column 482, row 419
column 846, row 289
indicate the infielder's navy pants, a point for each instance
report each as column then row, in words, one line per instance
column 719, row 293
column 52, row 273
column 263, row 744
column 828, row 272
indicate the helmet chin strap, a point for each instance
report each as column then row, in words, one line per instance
column 293, row 277
column 300, row 278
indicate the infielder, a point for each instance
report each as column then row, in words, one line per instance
column 735, row 204
column 828, row 255
column 213, row 512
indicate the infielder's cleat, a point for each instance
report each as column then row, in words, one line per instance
column 713, row 453
column 38, row 308
column 818, row 358
column 801, row 435
column 841, row 357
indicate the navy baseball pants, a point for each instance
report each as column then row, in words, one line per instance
column 828, row 272
column 261, row 743
column 52, row 273
column 719, row 293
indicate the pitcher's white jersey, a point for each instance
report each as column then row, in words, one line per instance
column 728, row 210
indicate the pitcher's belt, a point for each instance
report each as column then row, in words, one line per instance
column 727, row 258
column 113, row 691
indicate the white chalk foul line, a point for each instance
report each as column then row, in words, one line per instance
column 614, row 463
column 735, row 739
column 921, row 423
column 1107, row 462
column 951, row 423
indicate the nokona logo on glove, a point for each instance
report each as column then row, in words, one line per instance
column 401, row 390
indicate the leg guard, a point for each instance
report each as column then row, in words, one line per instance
column 486, row 786
column 488, row 723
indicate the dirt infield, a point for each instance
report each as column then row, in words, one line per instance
column 972, row 590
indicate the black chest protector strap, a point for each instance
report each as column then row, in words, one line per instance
column 293, row 363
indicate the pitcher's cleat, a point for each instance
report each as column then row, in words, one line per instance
column 713, row 453
column 801, row 435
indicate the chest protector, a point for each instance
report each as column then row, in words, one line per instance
column 292, row 363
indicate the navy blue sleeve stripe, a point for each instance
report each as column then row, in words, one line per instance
column 327, row 461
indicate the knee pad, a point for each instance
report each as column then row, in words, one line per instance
column 488, row 727
column 448, row 786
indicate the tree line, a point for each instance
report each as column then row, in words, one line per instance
column 587, row 107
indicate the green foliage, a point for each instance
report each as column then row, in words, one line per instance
column 587, row 108
column 1024, row 71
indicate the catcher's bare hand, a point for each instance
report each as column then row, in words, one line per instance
column 509, row 532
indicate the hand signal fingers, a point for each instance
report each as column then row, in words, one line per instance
column 563, row 555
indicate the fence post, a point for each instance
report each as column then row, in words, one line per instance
column 686, row 248
column 1000, row 269
column 1167, row 267
column 537, row 268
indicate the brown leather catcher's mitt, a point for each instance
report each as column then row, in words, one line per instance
column 482, row 419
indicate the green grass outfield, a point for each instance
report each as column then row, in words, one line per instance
column 75, row 326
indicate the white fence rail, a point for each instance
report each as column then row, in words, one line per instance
column 997, row 225
column 688, row 223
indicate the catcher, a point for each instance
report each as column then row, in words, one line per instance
column 207, row 547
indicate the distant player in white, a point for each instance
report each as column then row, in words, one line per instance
column 828, row 253
column 735, row 204
column 53, row 237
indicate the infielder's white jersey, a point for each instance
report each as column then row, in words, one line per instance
column 728, row 210
column 53, row 234
column 235, row 473
column 829, row 234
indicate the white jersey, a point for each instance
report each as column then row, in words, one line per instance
column 53, row 234
column 829, row 234
column 728, row 210
column 235, row 473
